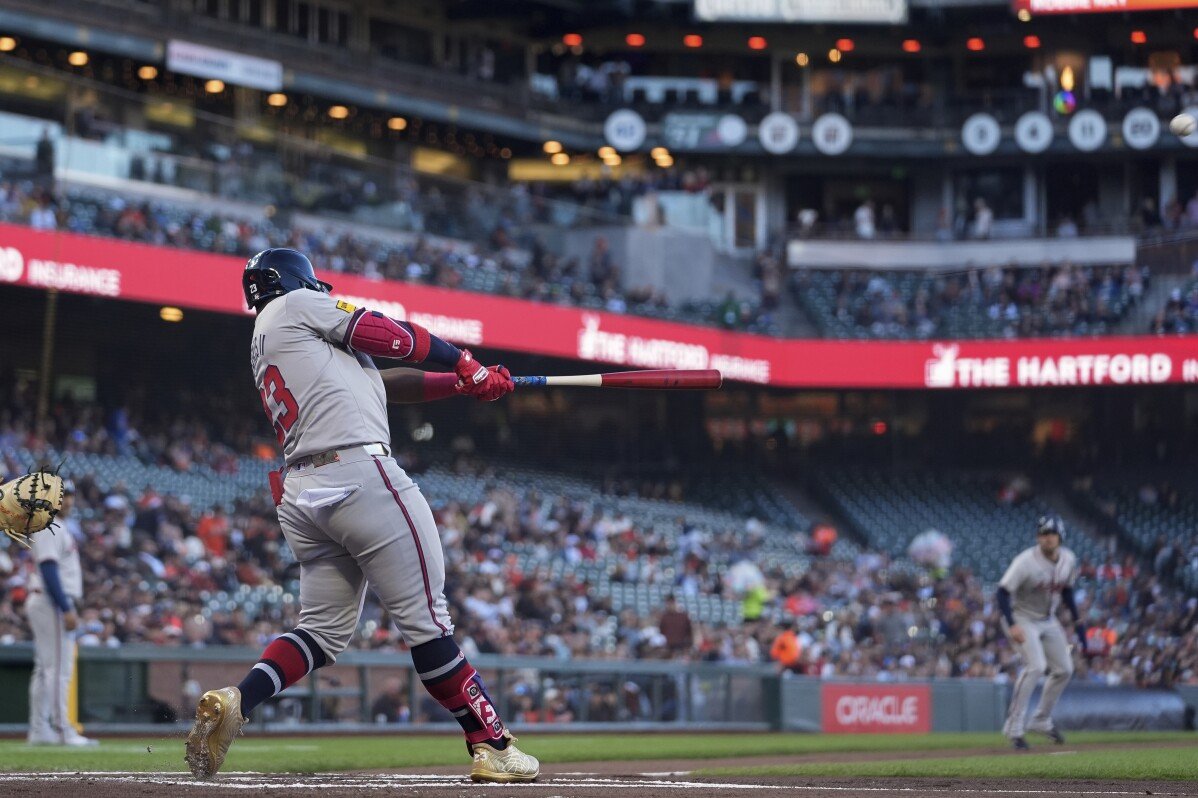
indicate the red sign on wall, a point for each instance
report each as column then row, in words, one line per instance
column 142, row 273
column 1098, row 6
column 876, row 708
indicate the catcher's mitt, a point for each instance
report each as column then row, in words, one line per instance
column 28, row 504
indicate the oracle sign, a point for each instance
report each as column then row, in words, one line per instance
column 201, row 281
column 876, row 708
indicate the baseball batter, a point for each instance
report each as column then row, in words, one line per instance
column 350, row 513
column 55, row 586
column 1038, row 580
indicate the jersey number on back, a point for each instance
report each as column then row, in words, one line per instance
column 278, row 402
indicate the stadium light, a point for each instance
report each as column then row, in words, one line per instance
column 975, row 44
column 802, row 59
column 338, row 112
column 845, row 45
column 168, row 313
column 397, row 123
column 634, row 40
column 665, row 163
column 7, row 44
column 757, row 43
column 1024, row 15
column 659, row 152
column 148, row 72
column 276, row 100
column 692, row 40
column 614, row 160
column 559, row 159
column 552, row 147
column 214, row 86
column 77, row 58
column 1138, row 37
column 834, row 55
column 1031, row 42
column 572, row 40
column 911, row 46
column 607, row 152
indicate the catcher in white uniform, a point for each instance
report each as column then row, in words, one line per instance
column 1030, row 593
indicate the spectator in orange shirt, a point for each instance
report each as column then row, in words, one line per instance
column 213, row 530
column 786, row 650
column 823, row 538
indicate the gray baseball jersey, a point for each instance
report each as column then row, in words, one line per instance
column 1035, row 582
column 318, row 392
column 56, row 543
column 357, row 519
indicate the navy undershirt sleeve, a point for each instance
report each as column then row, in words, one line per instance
column 1004, row 605
column 49, row 569
column 1070, row 602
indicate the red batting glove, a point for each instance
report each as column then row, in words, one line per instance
column 484, row 384
column 499, row 383
column 470, row 373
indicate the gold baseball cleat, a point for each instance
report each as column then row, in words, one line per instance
column 510, row 764
column 218, row 721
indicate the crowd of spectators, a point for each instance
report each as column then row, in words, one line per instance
column 156, row 566
column 1010, row 302
column 1180, row 312
column 505, row 259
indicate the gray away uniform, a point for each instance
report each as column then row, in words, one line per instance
column 53, row 645
column 1035, row 584
column 357, row 519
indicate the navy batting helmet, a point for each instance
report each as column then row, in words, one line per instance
column 274, row 272
column 1050, row 524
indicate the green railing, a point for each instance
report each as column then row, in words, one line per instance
column 139, row 685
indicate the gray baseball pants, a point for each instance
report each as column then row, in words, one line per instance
column 53, row 664
column 358, row 521
column 1045, row 652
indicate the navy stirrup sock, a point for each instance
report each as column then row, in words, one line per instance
column 289, row 658
column 451, row 680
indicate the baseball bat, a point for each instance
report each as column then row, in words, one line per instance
column 659, row 380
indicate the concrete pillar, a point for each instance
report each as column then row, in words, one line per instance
column 808, row 104
column 775, row 82
column 1168, row 181
column 1031, row 195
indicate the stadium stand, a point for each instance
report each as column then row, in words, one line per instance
column 511, row 261
column 1009, row 302
column 1180, row 313
column 559, row 567
column 1156, row 519
column 988, row 517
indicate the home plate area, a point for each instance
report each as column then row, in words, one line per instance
column 561, row 785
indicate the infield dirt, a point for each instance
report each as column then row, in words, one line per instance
column 672, row 778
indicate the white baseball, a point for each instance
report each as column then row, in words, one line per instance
column 1183, row 125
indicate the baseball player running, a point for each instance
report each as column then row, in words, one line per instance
column 1029, row 595
column 55, row 585
column 349, row 512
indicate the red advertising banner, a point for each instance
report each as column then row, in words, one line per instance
column 1098, row 6
column 876, row 708
column 142, row 273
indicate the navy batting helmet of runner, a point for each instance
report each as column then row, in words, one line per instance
column 1050, row 524
column 274, row 272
